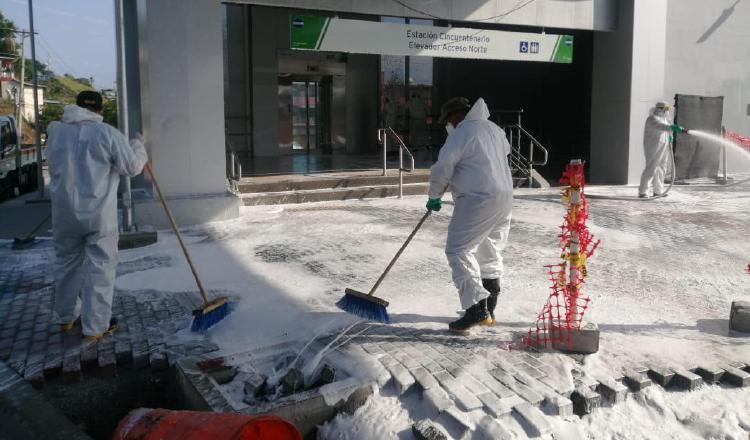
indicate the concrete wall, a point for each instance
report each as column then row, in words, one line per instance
column 708, row 54
column 572, row 14
column 362, row 103
column 182, row 90
column 182, row 110
column 628, row 78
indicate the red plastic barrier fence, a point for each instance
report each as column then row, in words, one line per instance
column 163, row 424
column 566, row 305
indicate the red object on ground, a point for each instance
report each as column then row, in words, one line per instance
column 566, row 305
column 737, row 138
column 164, row 424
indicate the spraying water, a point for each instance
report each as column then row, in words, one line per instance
column 717, row 140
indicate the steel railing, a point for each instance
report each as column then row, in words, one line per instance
column 519, row 138
column 234, row 172
column 383, row 134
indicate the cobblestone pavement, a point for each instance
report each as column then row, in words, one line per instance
column 33, row 345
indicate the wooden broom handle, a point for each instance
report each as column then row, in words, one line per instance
column 398, row 254
column 176, row 230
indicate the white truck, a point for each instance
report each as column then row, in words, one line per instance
column 18, row 167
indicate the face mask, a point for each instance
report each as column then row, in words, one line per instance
column 449, row 128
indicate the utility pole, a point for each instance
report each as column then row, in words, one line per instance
column 22, row 92
column 122, row 110
column 39, row 159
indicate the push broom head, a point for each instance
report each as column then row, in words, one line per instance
column 22, row 243
column 365, row 306
column 209, row 315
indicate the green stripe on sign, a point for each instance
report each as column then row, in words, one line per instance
column 564, row 50
column 323, row 34
column 305, row 31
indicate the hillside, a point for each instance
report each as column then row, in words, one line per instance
column 65, row 88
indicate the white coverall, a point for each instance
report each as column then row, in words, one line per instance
column 86, row 158
column 656, row 149
column 474, row 161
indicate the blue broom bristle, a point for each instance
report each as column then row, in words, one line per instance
column 364, row 309
column 204, row 321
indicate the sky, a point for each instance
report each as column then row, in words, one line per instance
column 73, row 36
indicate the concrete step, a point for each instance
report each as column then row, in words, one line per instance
column 260, row 185
column 327, row 195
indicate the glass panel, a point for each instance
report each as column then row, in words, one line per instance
column 299, row 115
column 312, row 114
column 419, row 104
column 393, row 87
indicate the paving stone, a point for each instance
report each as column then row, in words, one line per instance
column 636, row 380
column 517, row 387
column 426, row 430
column 686, row 380
column 123, row 353
column 661, row 376
column 739, row 316
column 158, row 360
column 535, row 418
column 494, row 405
column 611, row 390
column 468, row 381
column 584, row 400
column 89, row 355
column 433, row 367
column 402, row 379
column 424, row 378
column 558, row 406
column 463, row 396
column 710, row 374
column 460, row 417
column 535, row 385
column 735, row 376
column 560, row 388
column 493, row 429
column 140, row 354
column 437, row 399
column 34, row 374
column 490, row 382
column 71, row 369
column 107, row 362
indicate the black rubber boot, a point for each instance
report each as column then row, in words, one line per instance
column 475, row 315
column 492, row 286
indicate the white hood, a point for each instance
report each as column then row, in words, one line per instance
column 73, row 113
column 478, row 112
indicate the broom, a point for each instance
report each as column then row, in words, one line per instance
column 212, row 311
column 25, row 242
column 370, row 307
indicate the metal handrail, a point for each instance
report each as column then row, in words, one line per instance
column 235, row 166
column 383, row 138
column 526, row 165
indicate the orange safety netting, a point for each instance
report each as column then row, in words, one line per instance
column 566, row 305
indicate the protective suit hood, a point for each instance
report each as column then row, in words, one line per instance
column 73, row 113
column 478, row 112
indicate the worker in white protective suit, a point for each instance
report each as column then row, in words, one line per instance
column 474, row 163
column 86, row 158
column 657, row 137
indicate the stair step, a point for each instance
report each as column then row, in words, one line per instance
column 327, row 195
column 328, row 182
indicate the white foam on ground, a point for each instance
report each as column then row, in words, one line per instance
column 661, row 288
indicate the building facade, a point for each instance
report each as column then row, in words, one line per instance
column 205, row 77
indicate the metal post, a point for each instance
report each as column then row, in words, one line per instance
column 21, row 93
column 385, row 152
column 574, row 249
column 724, row 155
column 39, row 159
column 531, row 163
column 400, row 172
column 122, row 109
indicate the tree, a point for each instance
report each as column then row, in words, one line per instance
column 43, row 72
column 8, row 45
column 50, row 112
column 110, row 112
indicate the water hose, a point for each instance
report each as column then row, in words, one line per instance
column 644, row 199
